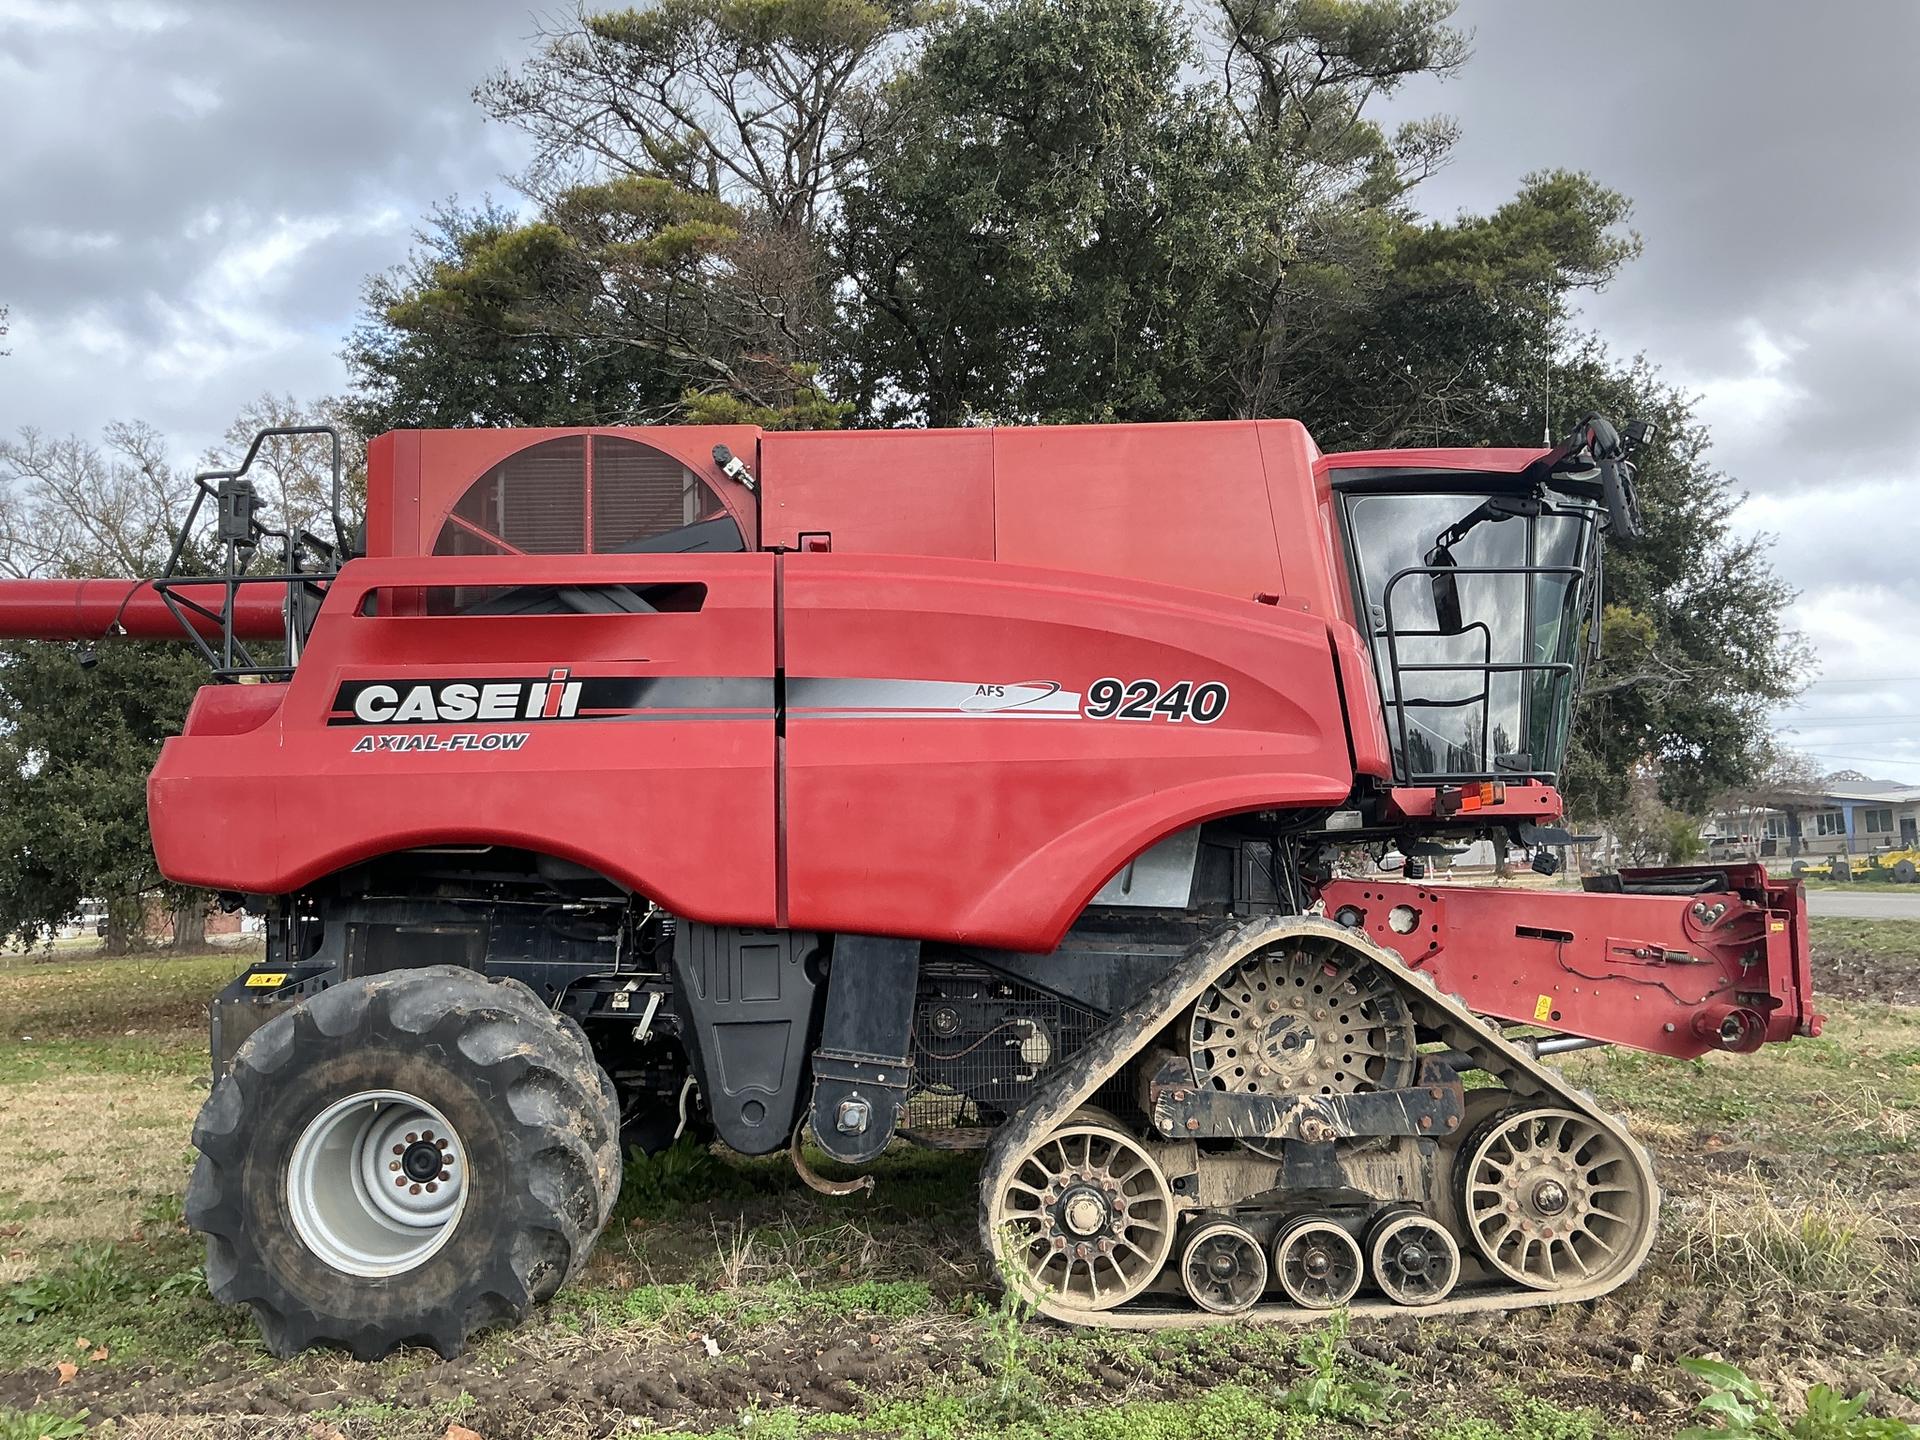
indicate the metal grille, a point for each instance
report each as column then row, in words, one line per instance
column 981, row 1044
column 545, row 499
column 640, row 492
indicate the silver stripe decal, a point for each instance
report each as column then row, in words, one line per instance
column 823, row 698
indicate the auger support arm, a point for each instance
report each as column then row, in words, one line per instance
column 1722, row 967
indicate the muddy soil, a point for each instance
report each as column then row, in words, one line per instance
column 1844, row 971
column 1617, row 1356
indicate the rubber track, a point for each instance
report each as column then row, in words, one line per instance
column 1075, row 1082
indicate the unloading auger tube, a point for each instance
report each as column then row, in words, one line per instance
column 1548, row 1199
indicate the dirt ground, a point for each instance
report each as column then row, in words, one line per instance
column 728, row 1298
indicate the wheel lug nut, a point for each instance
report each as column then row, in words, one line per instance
column 412, row 1139
column 393, row 1164
column 400, row 1180
column 446, row 1175
column 441, row 1143
column 413, row 1189
column 432, row 1186
column 399, row 1149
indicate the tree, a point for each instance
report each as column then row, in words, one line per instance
column 1060, row 224
column 630, row 302
column 686, row 157
column 1787, row 782
column 77, row 738
column 73, row 506
column 765, row 106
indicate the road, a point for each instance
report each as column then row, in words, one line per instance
column 1901, row 904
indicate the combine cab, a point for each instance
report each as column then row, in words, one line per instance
column 976, row 788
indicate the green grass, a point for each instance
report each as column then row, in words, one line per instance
column 1526, row 1417
column 40, row 1424
column 95, row 995
column 1855, row 1088
column 142, row 1302
column 1895, row 940
column 41, row 1061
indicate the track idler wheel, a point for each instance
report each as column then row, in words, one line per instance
column 1552, row 1199
column 1413, row 1259
column 1318, row 1263
column 1085, row 1220
column 1223, row 1267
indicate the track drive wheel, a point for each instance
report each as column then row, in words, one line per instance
column 1317, row 1263
column 1551, row 1198
column 403, row 1159
column 1223, row 1267
column 1085, row 1219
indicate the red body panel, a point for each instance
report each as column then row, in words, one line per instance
column 681, row 807
column 1659, row 972
column 1231, row 508
column 996, row 826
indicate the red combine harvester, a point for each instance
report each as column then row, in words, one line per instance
column 980, row 787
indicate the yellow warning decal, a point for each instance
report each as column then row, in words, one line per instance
column 266, row 980
column 1544, row 1009
column 1777, row 925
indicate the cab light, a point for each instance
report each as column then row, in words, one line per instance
column 1456, row 799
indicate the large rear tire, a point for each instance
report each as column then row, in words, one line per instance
column 402, row 1159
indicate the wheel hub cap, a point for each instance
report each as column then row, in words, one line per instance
column 1085, row 1213
column 1549, row 1197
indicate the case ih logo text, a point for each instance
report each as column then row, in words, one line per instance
column 441, row 702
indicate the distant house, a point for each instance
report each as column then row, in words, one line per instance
column 1844, row 814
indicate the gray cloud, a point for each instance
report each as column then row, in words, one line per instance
column 190, row 195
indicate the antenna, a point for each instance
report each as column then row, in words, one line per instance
column 1546, row 428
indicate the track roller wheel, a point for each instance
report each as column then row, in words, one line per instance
column 1413, row 1259
column 1223, row 1267
column 1318, row 1263
column 1551, row 1198
column 1085, row 1222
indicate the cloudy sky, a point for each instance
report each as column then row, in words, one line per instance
column 190, row 194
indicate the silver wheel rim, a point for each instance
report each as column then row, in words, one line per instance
column 1553, row 1200
column 1223, row 1268
column 1318, row 1264
column 1415, row 1261
column 364, row 1191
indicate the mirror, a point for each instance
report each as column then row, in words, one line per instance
column 1448, row 617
